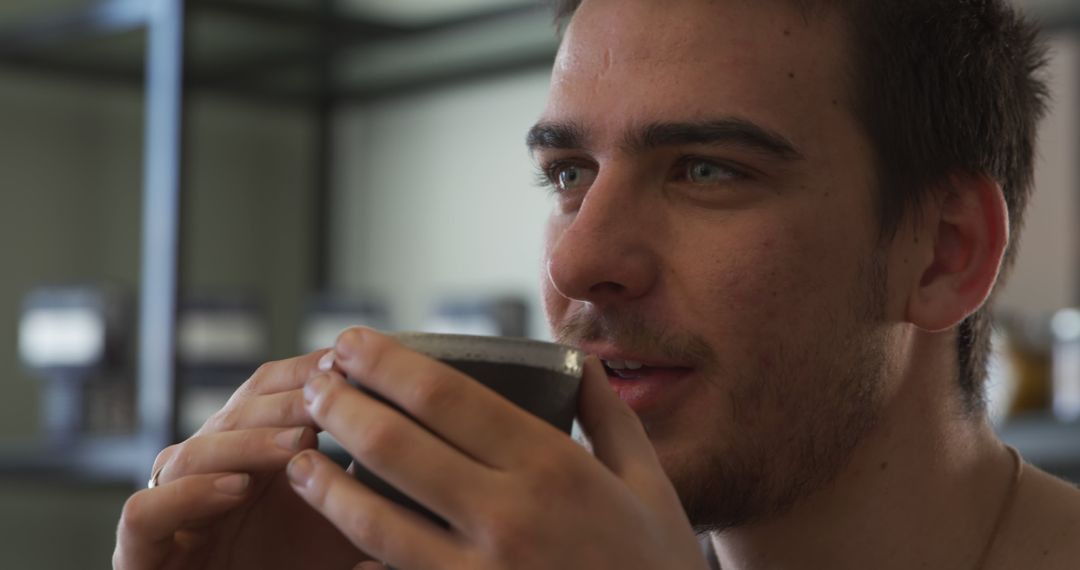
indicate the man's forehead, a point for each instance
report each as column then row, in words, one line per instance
column 691, row 41
column 605, row 35
column 664, row 29
column 650, row 61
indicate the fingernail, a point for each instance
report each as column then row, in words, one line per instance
column 289, row 440
column 348, row 340
column 234, row 484
column 300, row 469
column 326, row 363
column 315, row 386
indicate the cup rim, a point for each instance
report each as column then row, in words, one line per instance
column 501, row 350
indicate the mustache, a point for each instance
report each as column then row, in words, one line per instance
column 632, row 332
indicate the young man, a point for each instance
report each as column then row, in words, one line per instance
column 778, row 224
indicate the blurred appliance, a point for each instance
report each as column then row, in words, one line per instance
column 1066, row 364
column 220, row 340
column 505, row 315
column 328, row 314
column 73, row 337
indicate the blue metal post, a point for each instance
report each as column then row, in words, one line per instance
column 156, row 400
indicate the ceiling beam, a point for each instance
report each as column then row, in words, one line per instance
column 71, row 25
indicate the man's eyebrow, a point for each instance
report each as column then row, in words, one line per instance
column 728, row 131
column 555, row 136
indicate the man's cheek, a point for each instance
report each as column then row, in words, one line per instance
column 768, row 278
column 761, row 304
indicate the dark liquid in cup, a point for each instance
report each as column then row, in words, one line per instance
column 547, row 394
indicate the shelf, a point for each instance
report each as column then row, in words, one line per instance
column 100, row 460
column 101, row 18
column 116, row 460
column 287, row 51
column 1043, row 441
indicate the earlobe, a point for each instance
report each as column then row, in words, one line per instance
column 969, row 227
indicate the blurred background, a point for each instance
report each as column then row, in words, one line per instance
column 191, row 189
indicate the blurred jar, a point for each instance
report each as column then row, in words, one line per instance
column 1002, row 381
column 1066, row 364
column 1027, row 352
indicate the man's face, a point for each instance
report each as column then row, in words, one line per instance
column 713, row 221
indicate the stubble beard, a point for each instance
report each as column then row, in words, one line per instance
column 808, row 415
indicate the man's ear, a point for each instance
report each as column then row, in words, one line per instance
column 969, row 231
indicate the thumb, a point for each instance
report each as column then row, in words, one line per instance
column 618, row 439
column 621, row 443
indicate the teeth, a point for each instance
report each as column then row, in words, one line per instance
column 623, row 365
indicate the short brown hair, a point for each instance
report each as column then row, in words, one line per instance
column 940, row 87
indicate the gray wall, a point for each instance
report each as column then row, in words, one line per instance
column 436, row 195
column 1047, row 273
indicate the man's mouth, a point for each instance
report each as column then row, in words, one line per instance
column 643, row 384
column 625, row 369
column 634, row 369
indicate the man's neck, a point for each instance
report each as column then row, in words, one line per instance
column 922, row 490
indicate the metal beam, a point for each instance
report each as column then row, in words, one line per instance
column 157, row 390
column 82, row 71
column 252, row 68
column 335, row 35
column 70, row 25
column 485, row 17
column 352, row 28
column 446, row 77
column 294, row 17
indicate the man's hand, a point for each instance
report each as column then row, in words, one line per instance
column 516, row 492
column 222, row 499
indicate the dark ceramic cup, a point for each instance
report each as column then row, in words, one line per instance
column 539, row 377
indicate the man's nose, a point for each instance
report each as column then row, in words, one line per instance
column 605, row 253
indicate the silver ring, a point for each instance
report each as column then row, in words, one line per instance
column 153, row 482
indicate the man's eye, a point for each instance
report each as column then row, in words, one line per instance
column 700, row 171
column 567, row 177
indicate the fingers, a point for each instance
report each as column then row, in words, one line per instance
column 151, row 517
column 271, row 397
column 282, row 375
column 375, row 525
column 619, row 440
column 462, row 411
column 248, row 451
column 282, row 409
column 397, row 449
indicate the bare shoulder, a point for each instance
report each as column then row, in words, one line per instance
column 1043, row 532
